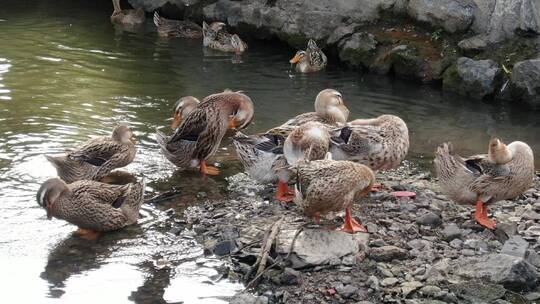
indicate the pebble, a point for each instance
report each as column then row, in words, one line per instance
column 389, row 282
column 456, row 243
column 533, row 296
column 430, row 290
column 388, row 253
column 291, row 277
column 451, row 232
column 347, row 291
column 429, row 219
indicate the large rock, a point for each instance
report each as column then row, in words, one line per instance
column 151, row 5
column 358, row 50
column 475, row 78
column 525, row 81
column 510, row 271
column 515, row 246
column 296, row 20
column 246, row 298
column 452, row 15
column 321, row 247
column 511, row 17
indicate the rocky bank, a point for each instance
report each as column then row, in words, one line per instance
column 485, row 49
column 422, row 250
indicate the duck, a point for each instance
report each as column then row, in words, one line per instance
column 126, row 16
column 380, row 143
column 328, row 185
column 216, row 37
column 504, row 172
column 200, row 133
column 311, row 60
column 97, row 157
column 182, row 108
column 177, row 28
column 307, row 142
column 92, row 206
column 330, row 109
column 262, row 157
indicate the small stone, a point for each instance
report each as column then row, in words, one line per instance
column 533, row 296
column 468, row 252
column 429, row 219
column 389, row 282
column 456, row 243
column 478, row 292
column 531, row 215
column 291, row 277
column 373, row 282
column 408, row 287
column 347, row 291
column 430, row 290
column 515, row 246
column 388, row 253
column 451, row 232
column 224, row 247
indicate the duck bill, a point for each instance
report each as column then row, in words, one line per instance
column 295, row 59
column 231, row 124
column 49, row 211
column 177, row 119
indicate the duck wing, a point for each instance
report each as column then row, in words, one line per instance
column 358, row 140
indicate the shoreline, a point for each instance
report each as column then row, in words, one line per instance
column 425, row 250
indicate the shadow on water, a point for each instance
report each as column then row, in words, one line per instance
column 66, row 74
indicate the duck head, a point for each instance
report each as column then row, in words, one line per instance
column 299, row 57
column 241, row 111
column 329, row 104
column 498, row 152
column 122, row 133
column 49, row 192
column 182, row 108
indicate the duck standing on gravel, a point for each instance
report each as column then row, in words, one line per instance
column 310, row 60
column 92, row 206
column 97, row 157
column 200, row 133
column 328, row 185
column 127, row 16
column 215, row 36
column 504, row 173
column 177, row 28
column 330, row 109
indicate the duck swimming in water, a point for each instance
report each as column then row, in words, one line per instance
column 127, row 16
column 177, row 28
column 310, row 60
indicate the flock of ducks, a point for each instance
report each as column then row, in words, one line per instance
column 215, row 36
column 328, row 158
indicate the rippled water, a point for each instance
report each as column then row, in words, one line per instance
column 66, row 73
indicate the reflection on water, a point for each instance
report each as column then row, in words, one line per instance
column 66, row 74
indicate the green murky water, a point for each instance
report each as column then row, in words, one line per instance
column 67, row 73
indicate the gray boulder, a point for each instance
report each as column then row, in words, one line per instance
column 358, row 50
column 515, row 246
column 510, row 271
column 475, row 78
column 452, row 15
column 246, row 298
column 525, row 81
column 511, row 17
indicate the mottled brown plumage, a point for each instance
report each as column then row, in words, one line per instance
column 200, row 133
column 215, row 36
column 182, row 108
column 504, row 173
column 309, row 141
column 177, row 28
column 330, row 110
column 127, row 16
column 327, row 185
column 380, row 143
column 97, row 157
column 92, row 205
column 310, row 60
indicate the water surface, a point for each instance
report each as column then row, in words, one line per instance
column 66, row 73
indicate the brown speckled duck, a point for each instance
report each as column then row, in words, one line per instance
column 504, row 173
column 307, row 142
column 200, row 133
column 97, row 157
column 176, row 28
column 380, row 143
column 182, row 108
column 216, row 37
column 92, row 206
column 330, row 110
column 310, row 60
column 126, row 16
column 327, row 185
